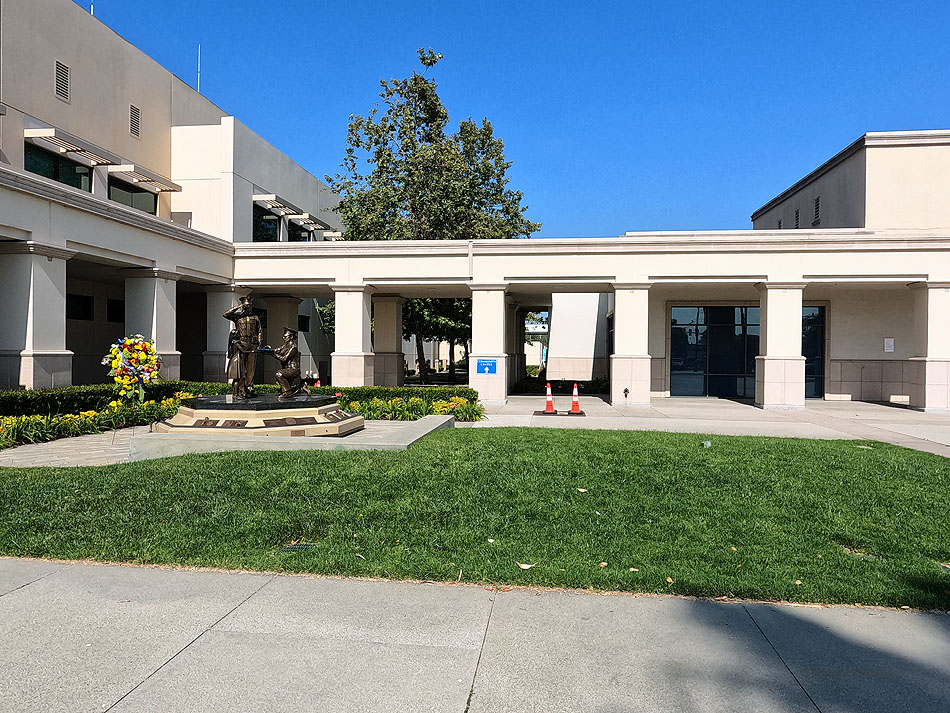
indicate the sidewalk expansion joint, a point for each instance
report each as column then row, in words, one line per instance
column 190, row 643
column 481, row 649
column 780, row 658
column 32, row 581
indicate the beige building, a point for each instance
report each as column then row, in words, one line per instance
column 129, row 203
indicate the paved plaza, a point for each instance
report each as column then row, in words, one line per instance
column 83, row 638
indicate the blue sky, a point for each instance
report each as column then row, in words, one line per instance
column 617, row 116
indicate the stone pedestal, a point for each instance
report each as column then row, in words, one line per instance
column 492, row 386
column 780, row 382
column 388, row 369
column 264, row 415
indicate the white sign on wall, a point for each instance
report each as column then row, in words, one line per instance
column 888, row 344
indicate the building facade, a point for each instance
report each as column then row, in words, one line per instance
column 122, row 193
column 129, row 203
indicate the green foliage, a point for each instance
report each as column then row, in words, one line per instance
column 404, row 178
column 414, row 408
column 480, row 500
column 75, row 399
column 38, row 428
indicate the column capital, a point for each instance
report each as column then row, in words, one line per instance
column 761, row 286
column 31, row 247
column 337, row 287
column 395, row 299
column 276, row 299
column 225, row 288
column 631, row 285
column 488, row 286
column 150, row 272
column 922, row 285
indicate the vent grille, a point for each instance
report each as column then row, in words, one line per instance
column 817, row 210
column 798, row 219
column 780, row 225
column 62, row 81
column 135, row 120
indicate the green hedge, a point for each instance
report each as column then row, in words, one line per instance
column 75, row 399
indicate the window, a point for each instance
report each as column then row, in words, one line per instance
column 79, row 307
column 62, row 81
column 135, row 120
column 265, row 227
column 798, row 221
column 132, row 196
column 57, row 168
column 779, row 224
column 297, row 233
column 303, row 322
column 817, row 218
column 115, row 311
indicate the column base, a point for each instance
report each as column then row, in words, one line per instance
column 215, row 366
column 352, row 369
column 929, row 384
column 36, row 369
column 388, row 369
column 171, row 365
column 492, row 388
column 629, row 380
column 780, row 382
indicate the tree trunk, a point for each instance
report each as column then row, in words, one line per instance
column 451, row 361
column 421, row 357
column 465, row 348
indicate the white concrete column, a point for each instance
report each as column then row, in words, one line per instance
column 33, row 352
column 488, row 360
column 221, row 298
column 780, row 366
column 929, row 382
column 352, row 358
column 281, row 312
column 387, row 341
column 150, row 304
column 630, row 362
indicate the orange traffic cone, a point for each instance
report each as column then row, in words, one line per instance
column 549, row 402
column 318, row 382
column 576, row 404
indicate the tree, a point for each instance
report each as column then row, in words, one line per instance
column 405, row 178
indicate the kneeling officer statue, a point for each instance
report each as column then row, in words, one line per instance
column 288, row 376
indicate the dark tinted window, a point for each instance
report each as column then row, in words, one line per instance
column 115, row 311
column 79, row 307
column 265, row 227
column 296, row 234
column 132, row 196
column 50, row 165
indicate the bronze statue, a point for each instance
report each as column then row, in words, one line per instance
column 243, row 344
column 288, row 376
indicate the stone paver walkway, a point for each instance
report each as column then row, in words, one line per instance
column 928, row 432
column 79, row 638
column 820, row 419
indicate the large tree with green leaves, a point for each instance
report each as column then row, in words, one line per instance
column 405, row 178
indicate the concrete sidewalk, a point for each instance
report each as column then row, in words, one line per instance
column 928, row 432
column 78, row 637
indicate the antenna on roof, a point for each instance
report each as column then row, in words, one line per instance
column 92, row 9
column 199, row 69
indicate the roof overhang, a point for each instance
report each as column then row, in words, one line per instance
column 143, row 178
column 276, row 205
column 310, row 221
column 59, row 141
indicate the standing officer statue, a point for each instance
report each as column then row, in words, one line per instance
column 244, row 342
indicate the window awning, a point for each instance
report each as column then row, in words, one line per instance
column 143, row 178
column 275, row 204
column 310, row 221
column 60, row 141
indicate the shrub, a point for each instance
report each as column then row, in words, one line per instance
column 398, row 409
column 76, row 399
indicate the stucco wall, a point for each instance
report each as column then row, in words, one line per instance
column 907, row 186
column 842, row 191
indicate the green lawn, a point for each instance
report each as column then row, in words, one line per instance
column 746, row 517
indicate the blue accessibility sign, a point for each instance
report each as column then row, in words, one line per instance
column 487, row 366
